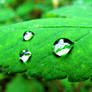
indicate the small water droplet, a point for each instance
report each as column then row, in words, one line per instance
column 25, row 56
column 28, row 35
column 62, row 47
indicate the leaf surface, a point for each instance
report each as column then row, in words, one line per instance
column 72, row 11
column 77, row 65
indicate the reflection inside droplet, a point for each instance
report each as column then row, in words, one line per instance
column 28, row 35
column 62, row 47
column 25, row 56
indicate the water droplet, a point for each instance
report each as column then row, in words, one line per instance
column 62, row 47
column 28, row 35
column 25, row 56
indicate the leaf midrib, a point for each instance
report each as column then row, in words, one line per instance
column 65, row 26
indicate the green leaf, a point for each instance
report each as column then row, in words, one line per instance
column 72, row 11
column 77, row 65
column 67, row 86
column 10, row 1
column 25, row 8
column 6, row 15
column 23, row 85
column 43, row 7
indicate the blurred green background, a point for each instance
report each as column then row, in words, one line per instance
column 15, row 11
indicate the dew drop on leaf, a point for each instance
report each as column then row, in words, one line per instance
column 25, row 56
column 62, row 47
column 28, row 35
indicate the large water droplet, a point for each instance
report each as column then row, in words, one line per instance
column 62, row 47
column 28, row 35
column 25, row 56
